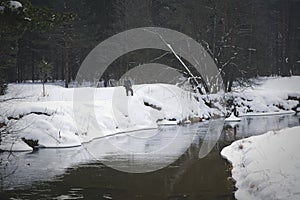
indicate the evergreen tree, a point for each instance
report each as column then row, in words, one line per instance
column 17, row 24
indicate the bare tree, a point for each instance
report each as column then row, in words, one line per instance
column 45, row 71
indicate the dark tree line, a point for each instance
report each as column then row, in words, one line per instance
column 245, row 38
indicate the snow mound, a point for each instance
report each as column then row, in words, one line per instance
column 290, row 84
column 266, row 166
column 269, row 95
column 232, row 118
column 14, row 144
column 14, row 4
column 167, row 123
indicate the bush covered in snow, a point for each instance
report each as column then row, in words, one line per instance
column 267, row 95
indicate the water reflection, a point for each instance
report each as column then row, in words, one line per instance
column 125, row 152
column 90, row 171
column 259, row 124
column 137, row 153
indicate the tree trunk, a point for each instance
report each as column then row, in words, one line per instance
column 44, row 92
column 66, row 65
column 32, row 66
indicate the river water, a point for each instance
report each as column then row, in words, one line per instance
column 174, row 162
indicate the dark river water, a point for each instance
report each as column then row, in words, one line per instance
column 174, row 162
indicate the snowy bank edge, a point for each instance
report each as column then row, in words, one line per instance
column 236, row 154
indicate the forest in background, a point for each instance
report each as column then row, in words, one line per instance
column 48, row 40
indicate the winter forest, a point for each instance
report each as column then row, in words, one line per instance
column 245, row 38
column 150, row 99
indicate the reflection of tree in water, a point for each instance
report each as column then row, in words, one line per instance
column 193, row 172
column 188, row 167
column 8, row 159
column 8, row 166
column 230, row 132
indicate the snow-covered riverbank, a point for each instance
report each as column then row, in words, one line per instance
column 50, row 120
column 267, row 96
column 266, row 166
column 54, row 121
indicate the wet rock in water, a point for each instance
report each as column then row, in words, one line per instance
column 196, row 119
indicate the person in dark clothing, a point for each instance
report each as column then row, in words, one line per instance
column 101, row 83
column 235, row 111
column 128, row 87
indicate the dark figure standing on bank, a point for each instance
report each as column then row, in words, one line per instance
column 127, row 85
column 235, row 111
